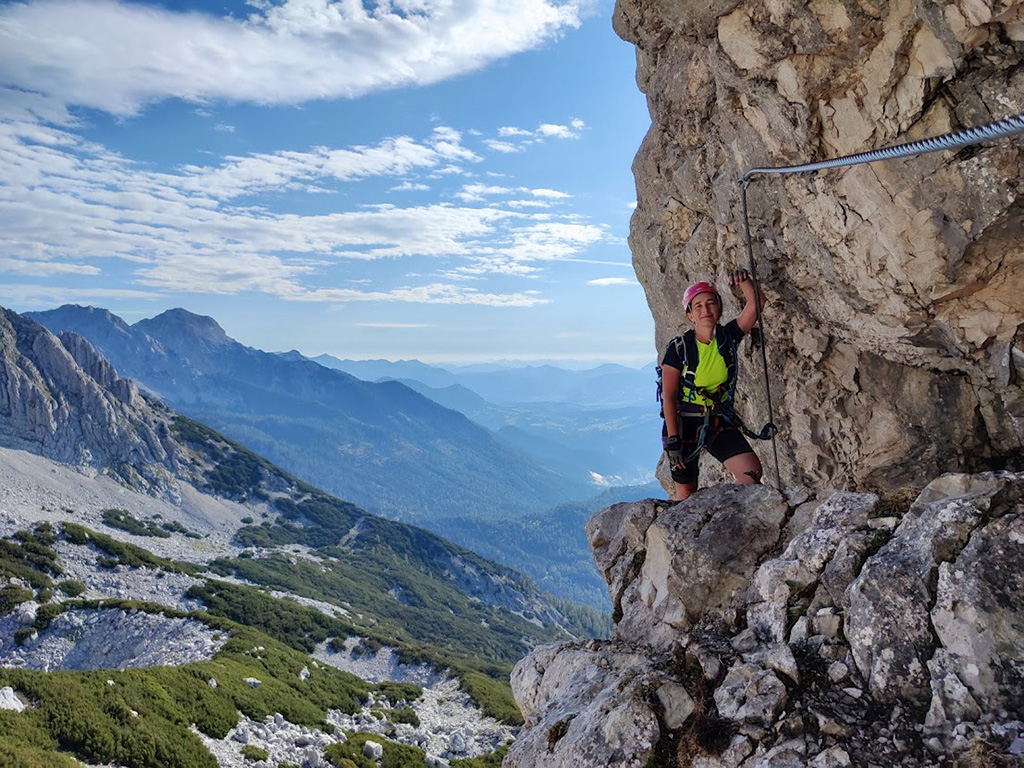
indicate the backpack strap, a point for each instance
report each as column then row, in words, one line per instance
column 688, row 352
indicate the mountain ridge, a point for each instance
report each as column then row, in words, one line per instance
column 383, row 445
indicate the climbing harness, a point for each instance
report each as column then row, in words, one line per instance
column 718, row 407
column 1008, row 126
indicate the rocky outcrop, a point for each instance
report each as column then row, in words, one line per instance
column 895, row 326
column 754, row 630
column 62, row 400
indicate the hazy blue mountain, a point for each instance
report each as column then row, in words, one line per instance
column 373, row 370
column 604, row 386
column 380, row 445
column 549, row 546
column 618, row 443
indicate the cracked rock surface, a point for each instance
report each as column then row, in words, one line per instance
column 895, row 329
column 755, row 630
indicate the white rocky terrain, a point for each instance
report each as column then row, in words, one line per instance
column 756, row 631
column 34, row 489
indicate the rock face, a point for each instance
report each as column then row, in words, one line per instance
column 752, row 630
column 895, row 326
column 62, row 400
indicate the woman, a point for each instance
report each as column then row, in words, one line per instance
column 701, row 389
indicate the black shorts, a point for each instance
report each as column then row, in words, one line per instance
column 722, row 443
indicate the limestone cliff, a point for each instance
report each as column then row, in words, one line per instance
column 62, row 400
column 895, row 327
column 754, row 631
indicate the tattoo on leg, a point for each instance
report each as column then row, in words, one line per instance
column 755, row 474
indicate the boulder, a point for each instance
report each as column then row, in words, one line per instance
column 745, row 640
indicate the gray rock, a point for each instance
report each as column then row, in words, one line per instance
column 373, row 750
column 889, row 623
column 676, row 704
column 699, row 557
column 10, row 700
column 750, row 694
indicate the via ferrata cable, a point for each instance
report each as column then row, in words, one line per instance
column 1008, row 126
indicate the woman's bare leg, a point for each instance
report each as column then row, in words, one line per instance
column 745, row 467
column 683, row 490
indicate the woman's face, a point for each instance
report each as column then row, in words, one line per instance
column 705, row 309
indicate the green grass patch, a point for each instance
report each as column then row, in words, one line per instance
column 122, row 553
column 139, row 718
column 249, row 752
column 492, row 760
column 71, row 587
column 123, row 520
column 29, row 556
column 350, row 754
column 12, row 596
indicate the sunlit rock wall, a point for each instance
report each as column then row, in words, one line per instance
column 895, row 327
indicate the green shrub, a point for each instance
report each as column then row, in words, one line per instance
column 405, row 715
column 46, row 614
column 249, row 752
column 29, row 556
column 23, row 634
column 492, row 760
column 71, row 587
column 123, row 520
column 11, row 596
column 120, row 553
column 350, row 753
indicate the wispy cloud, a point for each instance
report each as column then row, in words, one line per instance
column 44, row 268
column 503, row 146
column 394, row 156
column 435, row 293
column 606, row 281
column 396, row 325
column 119, row 56
column 513, row 139
column 69, row 207
column 477, row 193
column 408, row 186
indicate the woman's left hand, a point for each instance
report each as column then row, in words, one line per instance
column 738, row 276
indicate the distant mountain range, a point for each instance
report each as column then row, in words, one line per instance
column 602, row 387
column 380, row 445
column 598, row 424
column 278, row 570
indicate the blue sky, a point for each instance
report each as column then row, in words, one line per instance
column 446, row 180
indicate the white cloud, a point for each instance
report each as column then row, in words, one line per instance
column 23, row 293
column 435, row 293
column 119, row 56
column 71, row 207
column 44, row 268
column 551, row 194
column 548, row 241
column 477, row 193
column 528, row 204
column 301, row 170
column 511, row 131
column 557, row 131
column 395, row 325
column 408, row 186
column 606, row 281
column 503, row 146
column 224, row 128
